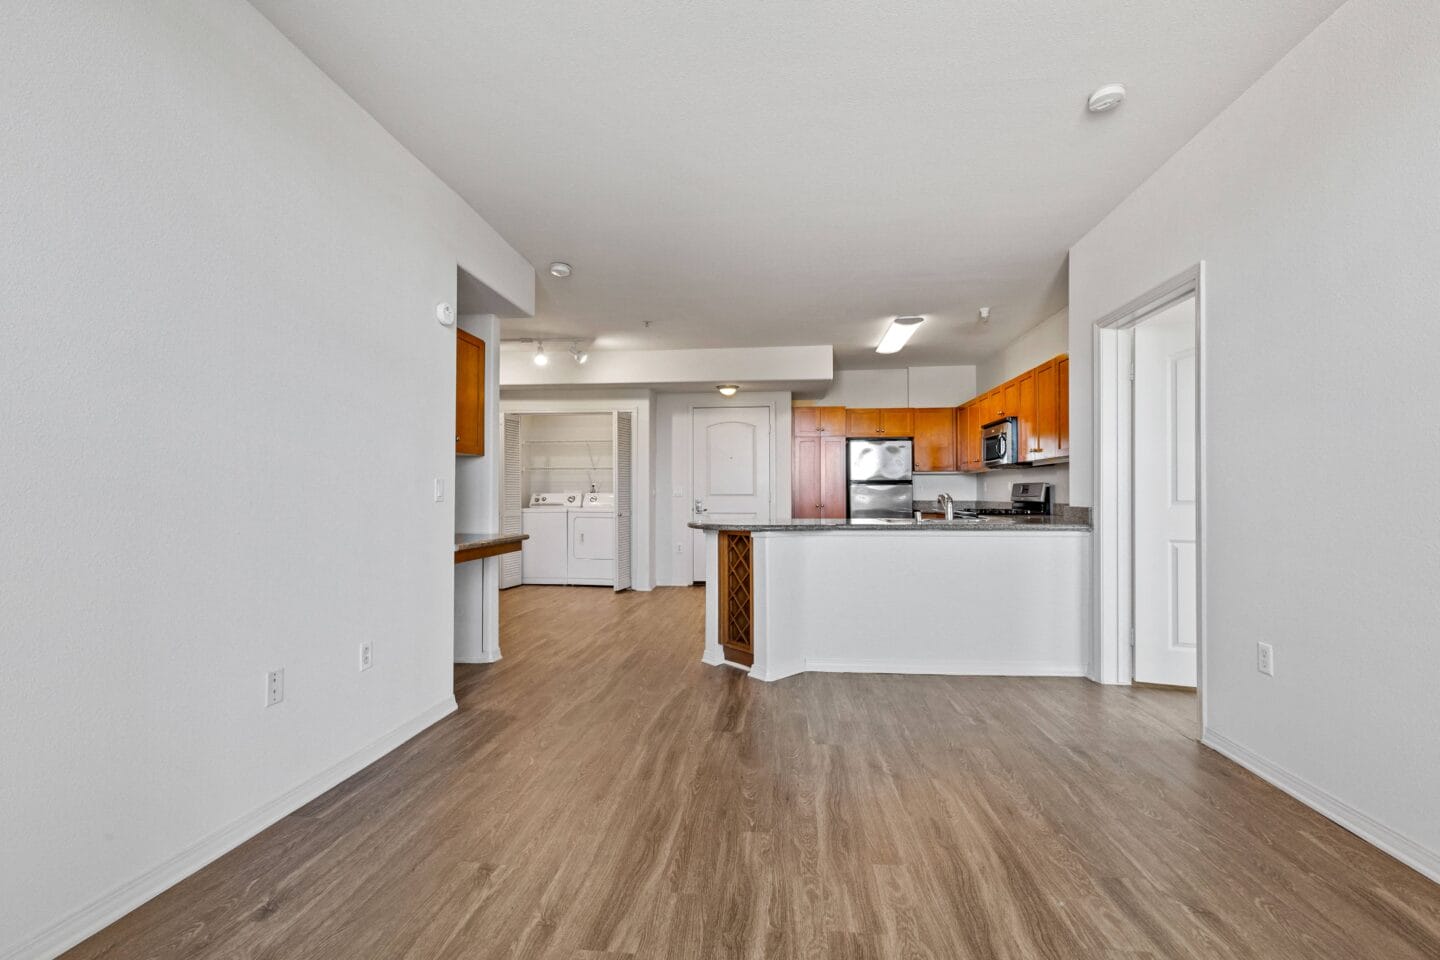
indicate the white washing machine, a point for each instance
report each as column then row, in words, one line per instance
column 592, row 541
column 544, row 558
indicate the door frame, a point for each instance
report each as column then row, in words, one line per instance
column 642, row 568
column 1114, row 555
column 697, row 542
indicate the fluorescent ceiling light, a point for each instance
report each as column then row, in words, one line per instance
column 899, row 334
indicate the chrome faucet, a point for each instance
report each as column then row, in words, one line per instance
column 948, row 502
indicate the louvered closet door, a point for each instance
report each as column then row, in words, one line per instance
column 510, row 501
column 622, row 438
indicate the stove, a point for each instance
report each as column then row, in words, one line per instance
column 1026, row 499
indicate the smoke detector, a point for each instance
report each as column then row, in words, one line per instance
column 1107, row 98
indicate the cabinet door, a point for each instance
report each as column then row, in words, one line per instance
column 897, row 422
column 832, row 477
column 967, row 435
column 832, row 421
column 934, row 440
column 863, row 423
column 469, row 394
column 1062, row 415
column 1045, row 438
column 1025, row 414
column 804, row 421
column 1010, row 399
column 990, row 406
column 805, row 495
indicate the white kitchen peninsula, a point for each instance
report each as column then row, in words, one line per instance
column 994, row 597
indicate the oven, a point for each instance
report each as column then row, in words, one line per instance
column 1001, row 446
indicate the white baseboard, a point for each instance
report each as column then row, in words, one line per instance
column 100, row 913
column 484, row 656
column 950, row 668
column 1400, row 847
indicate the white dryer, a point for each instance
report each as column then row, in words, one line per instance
column 544, row 558
column 592, row 541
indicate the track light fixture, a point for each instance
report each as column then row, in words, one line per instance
column 540, row 358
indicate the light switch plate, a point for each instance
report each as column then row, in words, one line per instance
column 439, row 489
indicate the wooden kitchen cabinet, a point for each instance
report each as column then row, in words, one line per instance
column 1038, row 399
column 817, row 421
column 879, row 422
column 934, row 439
column 805, row 502
column 817, row 477
column 1024, row 413
column 469, row 394
column 862, row 422
column 832, row 478
column 1045, row 431
column 1062, row 415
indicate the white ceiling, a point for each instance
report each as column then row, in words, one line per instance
column 778, row 173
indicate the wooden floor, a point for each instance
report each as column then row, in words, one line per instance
column 602, row 794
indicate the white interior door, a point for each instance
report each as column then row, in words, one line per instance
column 730, row 469
column 1166, row 419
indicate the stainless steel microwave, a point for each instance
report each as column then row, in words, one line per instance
column 1001, row 442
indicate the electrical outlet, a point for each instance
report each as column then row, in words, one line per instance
column 1265, row 659
column 367, row 655
column 274, row 687
column 439, row 490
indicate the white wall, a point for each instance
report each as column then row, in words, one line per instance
column 677, row 369
column 932, row 386
column 224, row 399
column 674, row 489
column 1317, row 215
column 566, row 451
column 1049, row 338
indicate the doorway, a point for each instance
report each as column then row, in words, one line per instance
column 730, row 469
column 1149, row 444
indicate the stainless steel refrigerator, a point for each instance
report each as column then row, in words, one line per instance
column 880, row 479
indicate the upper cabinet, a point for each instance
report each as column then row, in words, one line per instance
column 1062, row 417
column 934, row 439
column 818, row 421
column 469, row 394
column 1038, row 399
column 880, row 422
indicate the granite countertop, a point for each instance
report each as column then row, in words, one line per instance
column 982, row 525
column 473, row 541
column 1064, row 518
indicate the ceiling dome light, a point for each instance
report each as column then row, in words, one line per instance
column 540, row 358
column 560, row 269
column 898, row 334
column 728, row 389
column 1107, row 98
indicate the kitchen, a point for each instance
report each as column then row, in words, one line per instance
column 869, row 576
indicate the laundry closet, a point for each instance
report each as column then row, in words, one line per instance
column 567, row 487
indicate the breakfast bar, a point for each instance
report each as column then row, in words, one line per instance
column 991, row 596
